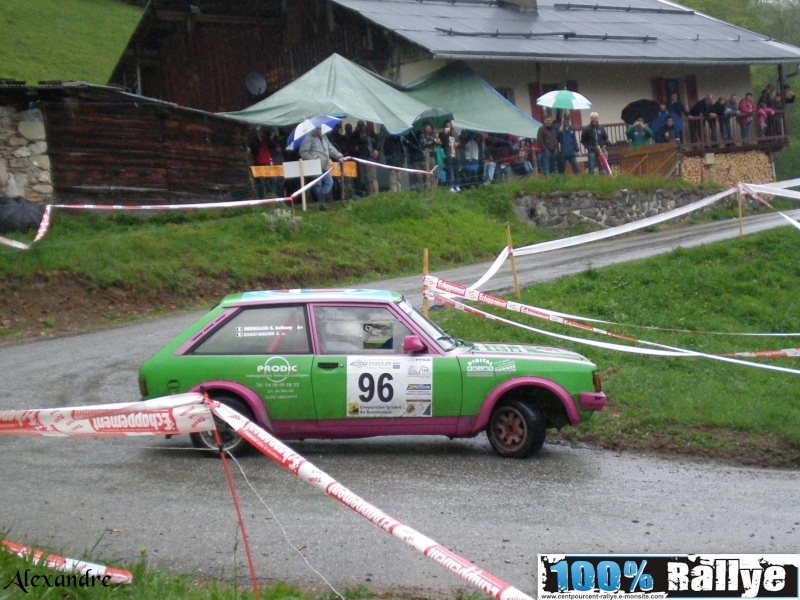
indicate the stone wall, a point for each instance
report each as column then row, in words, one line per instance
column 24, row 163
column 562, row 211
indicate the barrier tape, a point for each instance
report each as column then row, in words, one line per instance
column 182, row 413
column 670, row 351
column 306, row 471
column 785, row 353
column 61, row 563
column 599, row 235
column 752, row 190
column 389, row 167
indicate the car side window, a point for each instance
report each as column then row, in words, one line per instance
column 260, row 330
column 359, row 330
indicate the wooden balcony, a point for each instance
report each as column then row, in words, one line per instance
column 702, row 135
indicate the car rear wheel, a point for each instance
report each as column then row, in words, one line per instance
column 232, row 442
column 516, row 430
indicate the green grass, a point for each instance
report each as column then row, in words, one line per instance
column 748, row 285
column 378, row 237
column 82, row 40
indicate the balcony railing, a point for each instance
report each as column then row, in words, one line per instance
column 726, row 134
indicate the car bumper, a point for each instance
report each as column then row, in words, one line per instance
column 592, row 400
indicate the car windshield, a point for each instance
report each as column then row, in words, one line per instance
column 443, row 339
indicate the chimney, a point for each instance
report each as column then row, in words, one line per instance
column 523, row 6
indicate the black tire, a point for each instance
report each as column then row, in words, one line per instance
column 232, row 442
column 516, row 429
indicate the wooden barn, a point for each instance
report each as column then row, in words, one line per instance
column 102, row 145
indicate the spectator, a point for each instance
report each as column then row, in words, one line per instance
column 668, row 133
column 416, row 158
column 700, row 111
column 568, row 147
column 525, row 158
column 747, row 108
column 676, row 107
column 366, row 149
column 450, row 146
column 427, row 141
column 764, row 111
column 547, row 138
column 788, row 95
column 716, row 114
column 395, row 153
column 731, row 112
column 316, row 145
column 472, row 159
column 595, row 139
column 639, row 134
column 489, row 164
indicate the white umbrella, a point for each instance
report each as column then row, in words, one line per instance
column 564, row 99
column 327, row 123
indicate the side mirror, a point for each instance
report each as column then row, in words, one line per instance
column 413, row 344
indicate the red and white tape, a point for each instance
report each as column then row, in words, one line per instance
column 389, row 167
column 182, row 413
column 432, row 284
column 61, row 563
column 599, row 235
column 306, row 471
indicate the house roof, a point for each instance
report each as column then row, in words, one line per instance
column 621, row 31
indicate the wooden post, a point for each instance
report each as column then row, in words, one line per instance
column 303, row 184
column 341, row 182
column 424, row 274
column 513, row 261
column 741, row 220
column 294, row 217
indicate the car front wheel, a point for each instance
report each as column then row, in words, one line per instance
column 516, row 430
column 232, row 442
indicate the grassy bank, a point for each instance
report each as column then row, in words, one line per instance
column 684, row 405
column 378, row 237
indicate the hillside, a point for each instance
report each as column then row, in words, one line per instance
column 65, row 40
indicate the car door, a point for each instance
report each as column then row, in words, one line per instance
column 365, row 384
column 267, row 349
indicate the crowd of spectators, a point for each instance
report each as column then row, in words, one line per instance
column 722, row 119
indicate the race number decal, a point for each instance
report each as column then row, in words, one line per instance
column 399, row 386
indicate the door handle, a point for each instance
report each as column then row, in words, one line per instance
column 328, row 365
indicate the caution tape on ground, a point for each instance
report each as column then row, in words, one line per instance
column 61, row 563
column 303, row 469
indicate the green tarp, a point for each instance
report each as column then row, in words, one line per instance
column 336, row 87
column 340, row 87
column 475, row 104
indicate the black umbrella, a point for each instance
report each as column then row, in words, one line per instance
column 644, row 109
column 437, row 117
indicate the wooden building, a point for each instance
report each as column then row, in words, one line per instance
column 107, row 146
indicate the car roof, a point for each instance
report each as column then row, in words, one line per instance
column 311, row 295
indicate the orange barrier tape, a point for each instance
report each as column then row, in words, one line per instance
column 106, row 575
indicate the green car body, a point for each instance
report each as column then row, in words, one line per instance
column 362, row 363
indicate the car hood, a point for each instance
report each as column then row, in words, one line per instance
column 524, row 351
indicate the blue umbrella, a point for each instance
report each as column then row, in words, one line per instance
column 327, row 123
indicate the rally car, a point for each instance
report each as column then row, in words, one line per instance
column 361, row 363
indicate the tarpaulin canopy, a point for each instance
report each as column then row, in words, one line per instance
column 340, row 87
column 474, row 103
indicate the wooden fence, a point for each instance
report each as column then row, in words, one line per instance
column 657, row 160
